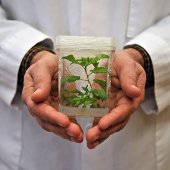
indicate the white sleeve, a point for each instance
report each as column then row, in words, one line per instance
column 156, row 41
column 16, row 38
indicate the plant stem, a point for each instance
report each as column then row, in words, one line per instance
column 85, row 68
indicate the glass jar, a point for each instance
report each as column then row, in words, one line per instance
column 84, row 79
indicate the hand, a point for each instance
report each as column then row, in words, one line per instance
column 127, row 92
column 40, row 94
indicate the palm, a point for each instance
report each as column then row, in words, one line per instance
column 40, row 94
column 119, row 98
column 126, row 94
column 52, row 99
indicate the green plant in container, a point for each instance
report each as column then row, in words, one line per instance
column 88, row 96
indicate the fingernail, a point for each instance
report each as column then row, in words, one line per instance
column 60, row 124
column 77, row 140
column 37, row 91
column 95, row 144
column 70, row 134
column 72, row 139
column 96, row 137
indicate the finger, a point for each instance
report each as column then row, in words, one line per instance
column 27, row 93
column 41, row 81
column 95, row 140
column 96, row 133
column 115, row 82
column 59, row 131
column 73, row 120
column 129, row 72
column 116, row 116
column 91, row 144
column 49, row 114
column 113, row 129
column 93, row 134
column 28, row 88
column 96, row 143
column 74, row 130
column 96, row 136
column 78, row 139
column 129, row 83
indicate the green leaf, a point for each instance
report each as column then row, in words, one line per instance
column 95, row 64
column 85, row 61
column 68, row 102
column 98, row 57
column 101, row 56
column 102, row 83
column 72, row 91
column 76, row 98
column 95, row 60
column 70, row 79
column 78, row 103
column 100, row 93
column 70, row 58
column 88, row 101
column 97, row 70
column 85, row 89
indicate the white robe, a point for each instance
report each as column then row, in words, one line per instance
column 144, row 143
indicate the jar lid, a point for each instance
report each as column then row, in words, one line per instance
column 85, row 42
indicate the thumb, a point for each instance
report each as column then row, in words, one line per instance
column 132, row 78
column 42, row 84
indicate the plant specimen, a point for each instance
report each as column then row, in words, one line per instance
column 88, row 96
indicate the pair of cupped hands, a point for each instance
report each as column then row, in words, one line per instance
column 40, row 94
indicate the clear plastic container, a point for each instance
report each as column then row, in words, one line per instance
column 84, row 75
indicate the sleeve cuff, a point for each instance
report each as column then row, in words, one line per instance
column 159, row 51
column 26, row 61
column 12, row 52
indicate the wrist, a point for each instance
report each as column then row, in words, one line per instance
column 136, row 55
column 39, row 55
column 31, row 56
column 147, row 63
